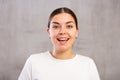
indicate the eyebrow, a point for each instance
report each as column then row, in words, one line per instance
column 66, row 22
column 69, row 22
column 55, row 22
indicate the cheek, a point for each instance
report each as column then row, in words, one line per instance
column 53, row 33
column 73, row 34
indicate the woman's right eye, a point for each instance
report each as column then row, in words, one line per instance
column 55, row 26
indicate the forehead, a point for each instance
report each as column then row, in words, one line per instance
column 62, row 18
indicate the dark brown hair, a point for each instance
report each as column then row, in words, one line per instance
column 63, row 10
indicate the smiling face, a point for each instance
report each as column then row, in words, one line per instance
column 62, row 31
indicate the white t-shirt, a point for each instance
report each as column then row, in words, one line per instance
column 45, row 67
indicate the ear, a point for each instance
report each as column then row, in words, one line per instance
column 48, row 31
column 77, row 32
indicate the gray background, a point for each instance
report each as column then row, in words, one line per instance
column 23, row 32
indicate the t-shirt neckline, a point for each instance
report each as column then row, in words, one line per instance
column 66, row 60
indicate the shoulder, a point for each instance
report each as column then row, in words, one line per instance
column 38, row 56
column 85, row 59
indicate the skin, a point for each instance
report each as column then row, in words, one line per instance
column 62, row 33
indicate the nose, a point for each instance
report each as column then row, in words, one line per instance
column 62, row 31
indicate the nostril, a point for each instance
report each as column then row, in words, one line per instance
column 62, row 33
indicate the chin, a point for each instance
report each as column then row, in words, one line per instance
column 63, row 48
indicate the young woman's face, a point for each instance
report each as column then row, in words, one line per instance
column 62, row 31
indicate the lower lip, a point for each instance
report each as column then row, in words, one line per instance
column 62, row 42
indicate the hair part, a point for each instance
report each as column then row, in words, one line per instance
column 63, row 10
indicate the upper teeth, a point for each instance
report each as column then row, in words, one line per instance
column 62, row 38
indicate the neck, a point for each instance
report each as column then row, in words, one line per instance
column 63, row 54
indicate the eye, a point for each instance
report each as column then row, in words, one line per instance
column 69, row 26
column 55, row 26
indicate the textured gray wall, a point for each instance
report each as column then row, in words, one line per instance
column 23, row 32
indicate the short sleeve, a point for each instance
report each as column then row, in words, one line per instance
column 94, row 75
column 26, row 71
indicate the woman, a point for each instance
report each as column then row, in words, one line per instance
column 61, row 63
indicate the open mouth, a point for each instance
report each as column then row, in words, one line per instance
column 62, row 39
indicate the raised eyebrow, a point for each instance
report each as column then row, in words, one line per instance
column 55, row 22
column 69, row 22
column 66, row 22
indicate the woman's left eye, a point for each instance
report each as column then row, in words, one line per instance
column 69, row 26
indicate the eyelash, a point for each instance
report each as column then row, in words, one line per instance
column 56, row 26
column 69, row 26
